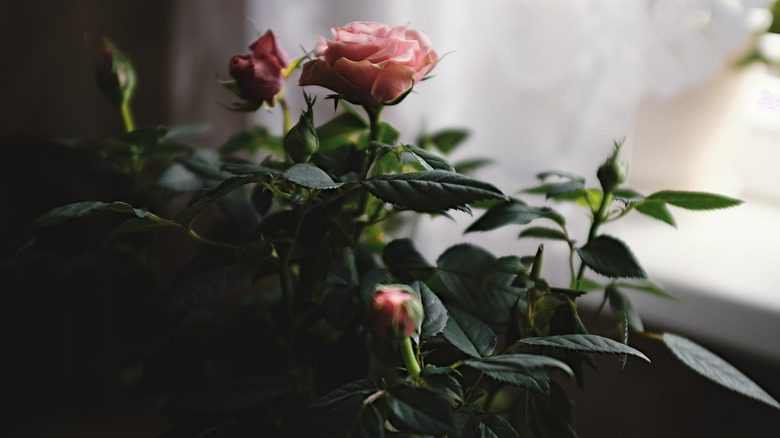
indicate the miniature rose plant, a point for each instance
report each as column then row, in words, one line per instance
column 299, row 315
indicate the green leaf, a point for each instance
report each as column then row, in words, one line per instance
column 564, row 187
column 182, row 131
column 497, row 427
column 468, row 333
column 138, row 225
column 202, row 200
column 436, row 315
column 621, row 305
column 647, row 287
column 405, row 262
column 565, row 175
column 509, row 265
column 587, row 343
column 428, row 159
column 712, row 367
column 610, row 257
column 694, row 200
column 443, row 384
column 430, row 191
column 419, row 410
column 467, row 272
column 543, row 233
column 232, row 396
column 656, row 210
column 468, row 166
column 248, row 169
column 251, row 141
column 362, row 387
column 311, row 177
column 337, row 131
column 512, row 212
column 445, row 140
column 203, row 166
column 81, row 209
column 525, row 370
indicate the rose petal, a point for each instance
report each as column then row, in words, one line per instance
column 393, row 81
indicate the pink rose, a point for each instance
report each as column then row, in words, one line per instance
column 259, row 74
column 370, row 63
column 396, row 311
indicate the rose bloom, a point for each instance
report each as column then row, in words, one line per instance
column 259, row 74
column 370, row 63
column 396, row 311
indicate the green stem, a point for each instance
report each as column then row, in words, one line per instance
column 127, row 116
column 286, row 118
column 598, row 219
column 195, row 236
column 287, row 285
column 410, row 359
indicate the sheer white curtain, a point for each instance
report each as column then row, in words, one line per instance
column 539, row 84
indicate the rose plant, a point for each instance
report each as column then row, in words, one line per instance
column 298, row 315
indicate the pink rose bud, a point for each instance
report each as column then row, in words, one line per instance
column 370, row 63
column 397, row 312
column 114, row 73
column 259, row 76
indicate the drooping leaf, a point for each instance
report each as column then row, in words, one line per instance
column 419, row 410
column 543, row 233
column 204, row 166
column 658, row 211
column 496, row 427
column 311, row 177
column 361, row 387
column 585, row 342
column 712, row 367
column 647, row 287
column 620, row 305
column 82, row 209
column 202, row 200
column 233, row 395
column 405, row 262
column 525, row 370
column 610, row 257
column 512, row 212
column 137, row 225
column 468, row 334
column 436, row 315
column 565, row 175
column 428, row 159
column 430, row 191
column 694, row 200
column 467, row 272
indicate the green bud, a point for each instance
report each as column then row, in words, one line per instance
column 302, row 142
column 613, row 172
column 114, row 73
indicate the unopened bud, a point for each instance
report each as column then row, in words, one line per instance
column 613, row 172
column 302, row 141
column 114, row 73
column 396, row 311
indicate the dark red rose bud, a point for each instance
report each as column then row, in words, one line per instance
column 259, row 75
